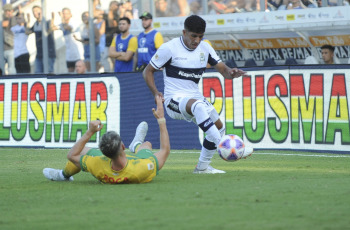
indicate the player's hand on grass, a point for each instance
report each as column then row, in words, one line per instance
column 159, row 113
column 95, row 126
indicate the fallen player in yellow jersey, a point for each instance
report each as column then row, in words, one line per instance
column 110, row 164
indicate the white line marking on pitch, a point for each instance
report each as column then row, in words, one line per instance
column 282, row 154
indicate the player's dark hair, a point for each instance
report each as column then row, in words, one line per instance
column 126, row 19
column 195, row 24
column 330, row 47
column 110, row 144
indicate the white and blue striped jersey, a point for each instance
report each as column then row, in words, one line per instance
column 183, row 67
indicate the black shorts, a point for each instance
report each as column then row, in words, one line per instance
column 71, row 64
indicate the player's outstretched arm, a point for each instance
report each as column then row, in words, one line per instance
column 74, row 153
column 229, row 73
column 148, row 75
column 164, row 151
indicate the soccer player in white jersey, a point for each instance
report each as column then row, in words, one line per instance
column 184, row 60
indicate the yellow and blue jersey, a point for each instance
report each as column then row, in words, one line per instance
column 121, row 44
column 141, row 167
column 148, row 43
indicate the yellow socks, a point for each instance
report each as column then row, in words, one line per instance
column 70, row 169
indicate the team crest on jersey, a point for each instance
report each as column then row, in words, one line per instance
column 142, row 42
column 156, row 56
column 202, row 58
column 120, row 46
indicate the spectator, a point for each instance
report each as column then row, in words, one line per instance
column 101, row 26
column 84, row 33
column 196, row 7
column 295, row 4
column 179, row 8
column 311, row 60
column 274, row 4
column 161, row 8
column 37, row 30
column 8, row 22
column 125, row 10
column 148, row 42
column 21, row 53
column 111, row 29
column 80, row 67
column 327, row 52
column 123, row 47
column 74, row 50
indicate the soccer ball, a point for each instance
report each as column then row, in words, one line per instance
column 231, row 147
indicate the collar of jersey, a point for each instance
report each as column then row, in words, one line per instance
column 182, row 42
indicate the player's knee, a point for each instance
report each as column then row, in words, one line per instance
column 198, row 106
column 145, row 145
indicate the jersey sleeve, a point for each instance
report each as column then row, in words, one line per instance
column 113, row 41
column 158, row 40
column 161, row 57
column 132, row 46
column 213, row 58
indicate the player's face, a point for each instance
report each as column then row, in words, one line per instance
column 192, row 39
column 123, row 26
column 327, row 55
column 146, row 23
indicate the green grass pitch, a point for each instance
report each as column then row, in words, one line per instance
column 270, row 190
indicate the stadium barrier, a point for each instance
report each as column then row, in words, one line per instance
column 282, row 107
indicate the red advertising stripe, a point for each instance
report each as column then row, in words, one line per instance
column 297, row 85
column 51, row 92
column 228, row 88
column 212, row 84
column 80, row 92
column 259, row 85
column 65, row 88
column 98, row 88
column 316, row 85
column 15, row 92
column 24, row 89
column 338, row 85
column 247, row 87
column 2, row 88
column 277, row 80
column 37, row 88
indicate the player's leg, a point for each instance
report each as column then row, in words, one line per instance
column 68, row 171
column 201, row 110
column 140, row 135
column 144, row 145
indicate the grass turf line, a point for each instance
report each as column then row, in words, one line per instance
column 261, row 192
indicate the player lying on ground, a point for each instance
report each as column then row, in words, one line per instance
column 184, row 60
column 110, row 164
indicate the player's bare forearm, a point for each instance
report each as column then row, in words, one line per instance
column 164, row 151
column 148, row 75
column 229, row 73
column 74, row 153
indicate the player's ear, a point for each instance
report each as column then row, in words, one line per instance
column 184, row 32
column 123, row 146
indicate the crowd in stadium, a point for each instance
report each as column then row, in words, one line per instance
column 16, row 28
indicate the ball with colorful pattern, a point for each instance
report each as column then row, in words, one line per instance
column 231, row 147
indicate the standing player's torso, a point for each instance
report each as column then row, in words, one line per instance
column 185, row 68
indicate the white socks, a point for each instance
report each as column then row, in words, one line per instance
column 213, row 134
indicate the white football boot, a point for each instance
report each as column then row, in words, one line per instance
column 55, row 175
column 248, row 151
column 141, row 132
column 209, row 170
